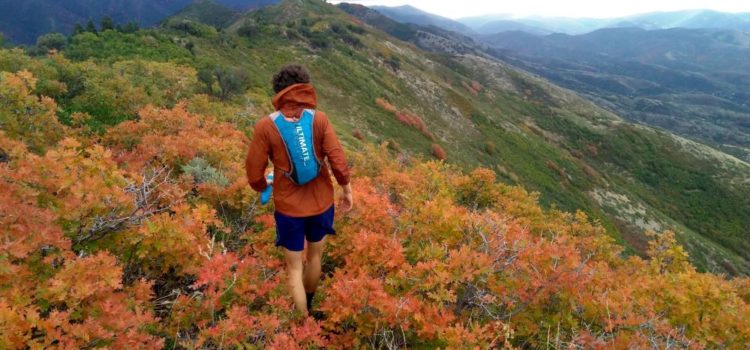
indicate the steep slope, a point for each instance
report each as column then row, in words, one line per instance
column 208, row 12
column 244, row 5
column 477, row 110
column 24, row 21
column 431, row 38
column 639, row 156
column 692, row 82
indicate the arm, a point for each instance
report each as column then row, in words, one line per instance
column 257, row 159
column 335, row 153
column 347, row 198
column 336, row 157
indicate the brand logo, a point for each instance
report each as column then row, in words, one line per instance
column 302, row 144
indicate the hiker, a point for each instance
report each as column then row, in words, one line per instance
column 298, row 140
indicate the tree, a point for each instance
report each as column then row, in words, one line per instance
column 207, row 78
column 91, row 27
column 231, row 81
column 25, row 116
column 107, row 23
column 78, row 29
column 130, row 27
column 51, row 41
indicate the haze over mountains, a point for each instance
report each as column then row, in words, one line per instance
column 492, row 24
column 495, row 23
column 411, row 14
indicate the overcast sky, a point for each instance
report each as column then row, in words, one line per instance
column 559, row 8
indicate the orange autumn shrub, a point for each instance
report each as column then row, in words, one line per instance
column 26, row 116
column 438, row 152
column 406, row 117
column 174, row 138
column 385, row 105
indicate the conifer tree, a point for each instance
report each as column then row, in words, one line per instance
column 107, row 23
column 91, row 27
column 78, row 29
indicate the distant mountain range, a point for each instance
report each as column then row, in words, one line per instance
column 491, row 24
column 24, row 21
column 690, row 81
column 685, row 71
column 410, row 14
column 693, row 19
column 428, row 37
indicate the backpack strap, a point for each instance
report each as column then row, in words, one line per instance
column 274, row 116
column 311, row 113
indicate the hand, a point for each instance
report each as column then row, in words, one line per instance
column 346, row 202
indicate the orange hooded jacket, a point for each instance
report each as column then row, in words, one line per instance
column 292, row 200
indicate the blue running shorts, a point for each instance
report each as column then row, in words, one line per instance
column 291, row 232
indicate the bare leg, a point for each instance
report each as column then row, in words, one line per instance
column 294, row 270
column 312, row 268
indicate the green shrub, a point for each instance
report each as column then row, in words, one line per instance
column 51, row 41
column 202, row 172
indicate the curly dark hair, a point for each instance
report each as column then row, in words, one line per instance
column 289, row 75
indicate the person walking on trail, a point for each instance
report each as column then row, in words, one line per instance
column 298, row 139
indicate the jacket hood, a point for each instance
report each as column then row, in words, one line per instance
column 292, row 100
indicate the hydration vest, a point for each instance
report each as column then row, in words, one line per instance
column 300, row 147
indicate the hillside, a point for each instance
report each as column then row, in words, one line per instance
column 480, row 111
column 597, row 145
column 24, row 21
column 207, row 12
column 689, row 81
column 493, row 208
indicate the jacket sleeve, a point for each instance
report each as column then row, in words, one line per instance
column 257, row 159
column 335, row 153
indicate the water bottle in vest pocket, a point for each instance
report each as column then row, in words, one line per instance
column 300, row 148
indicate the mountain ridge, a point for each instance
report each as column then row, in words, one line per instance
column 25, row 21
column 410, row 14
column 686, row 80
column 693, row 19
